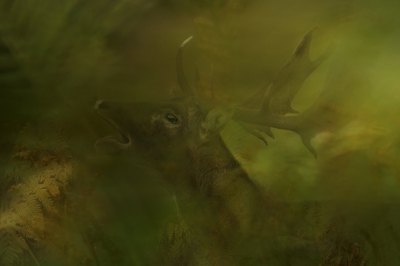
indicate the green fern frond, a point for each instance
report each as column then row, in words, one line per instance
column 34, row 189
column 25, row 210
column 53, row 189
column 11, row 250
column 44, row 198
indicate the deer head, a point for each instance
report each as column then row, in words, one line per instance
column 180, row 137
column 156, row 132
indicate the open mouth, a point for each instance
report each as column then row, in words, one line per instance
column 101, row 105
column 122, row 136
column 112, row 144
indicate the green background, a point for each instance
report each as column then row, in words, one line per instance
column 58, row 57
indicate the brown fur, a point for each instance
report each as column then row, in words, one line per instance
column 219, row 203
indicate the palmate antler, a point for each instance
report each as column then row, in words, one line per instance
column 268, row 107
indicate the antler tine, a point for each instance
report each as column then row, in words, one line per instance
column 183, row 83
column 268, row 106
column 255, row 129
column 276, row 96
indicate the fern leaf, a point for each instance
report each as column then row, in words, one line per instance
column 52, row 186
column 10, row 249
column 44, row 198
column 26, row 210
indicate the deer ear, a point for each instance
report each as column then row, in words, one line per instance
column 215, row 121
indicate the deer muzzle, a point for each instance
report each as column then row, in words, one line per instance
column 110, row 144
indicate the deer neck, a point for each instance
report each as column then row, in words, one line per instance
column 210, row 180
column 214, row 167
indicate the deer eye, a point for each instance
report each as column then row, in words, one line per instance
column 171, row 118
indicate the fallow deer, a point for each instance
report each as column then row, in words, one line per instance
column 222, row 209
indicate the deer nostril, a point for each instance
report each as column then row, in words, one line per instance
column 100, row 105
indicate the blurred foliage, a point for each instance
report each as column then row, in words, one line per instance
column 62, row 204
column 31, row 188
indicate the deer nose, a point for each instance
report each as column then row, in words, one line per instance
column 100, row 104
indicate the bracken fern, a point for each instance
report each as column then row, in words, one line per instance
column 33, row 193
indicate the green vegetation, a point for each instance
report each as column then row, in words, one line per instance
column 63, row 204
